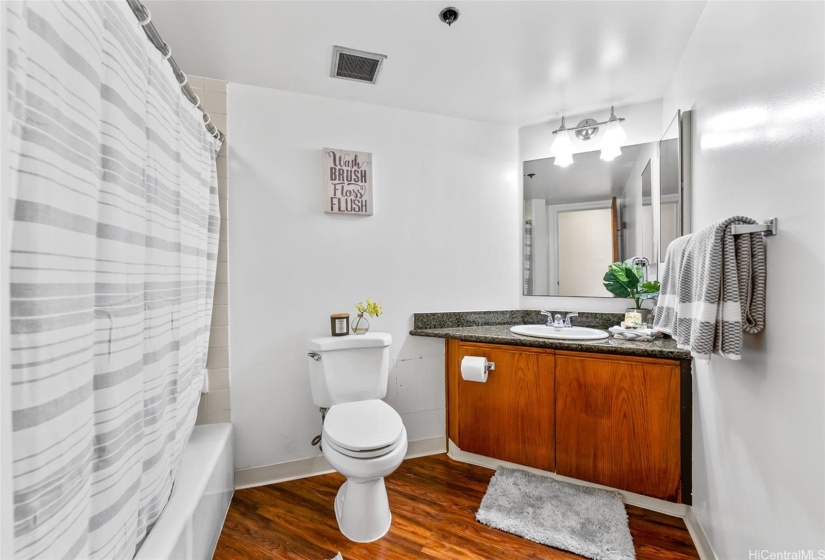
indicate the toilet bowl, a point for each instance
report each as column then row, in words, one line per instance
column 364, row 441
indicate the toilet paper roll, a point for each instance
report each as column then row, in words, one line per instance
column 474, row 368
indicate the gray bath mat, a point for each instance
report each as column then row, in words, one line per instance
column 585, row 521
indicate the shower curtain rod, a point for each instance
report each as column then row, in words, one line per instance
column 144, row 18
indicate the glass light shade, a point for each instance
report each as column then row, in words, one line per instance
column 614, row 137
column 562, row 149
column 563, row 160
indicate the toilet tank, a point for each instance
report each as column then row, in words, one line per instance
column 348, row 368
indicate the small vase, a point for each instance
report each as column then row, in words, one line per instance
column 360, row 325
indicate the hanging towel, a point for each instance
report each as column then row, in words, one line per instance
column 713, row 289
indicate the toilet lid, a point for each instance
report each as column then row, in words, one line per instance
column 363, row 425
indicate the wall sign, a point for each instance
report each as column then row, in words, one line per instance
column 347, row 182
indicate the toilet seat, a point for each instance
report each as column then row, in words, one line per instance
column 363, row 429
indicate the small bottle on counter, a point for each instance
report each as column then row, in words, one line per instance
column 339, row 324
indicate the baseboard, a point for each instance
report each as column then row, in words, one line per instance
column 646, row 502
column 282, row 472
column 302, row 468
column 424, row 447
column 700, row 539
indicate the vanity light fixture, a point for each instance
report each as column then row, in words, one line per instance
column 614, row 136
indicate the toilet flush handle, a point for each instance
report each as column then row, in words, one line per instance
column 315, row 356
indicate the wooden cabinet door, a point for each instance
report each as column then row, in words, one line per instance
column 617, row 422
column 510, row 417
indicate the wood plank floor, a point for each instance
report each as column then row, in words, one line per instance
column 433, row 501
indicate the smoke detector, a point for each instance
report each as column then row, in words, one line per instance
column 449, row 15
column 360, row 66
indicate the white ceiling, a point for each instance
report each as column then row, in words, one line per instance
column 503, row 61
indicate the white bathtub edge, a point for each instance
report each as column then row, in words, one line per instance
column 179, row 531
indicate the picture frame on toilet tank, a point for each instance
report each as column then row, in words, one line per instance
column 347, row 182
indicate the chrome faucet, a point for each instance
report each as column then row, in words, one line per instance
column 557, row 321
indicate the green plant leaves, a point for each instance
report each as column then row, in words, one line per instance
column 622, row 279
column 649, row 290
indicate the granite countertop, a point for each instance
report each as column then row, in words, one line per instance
column 470, row 327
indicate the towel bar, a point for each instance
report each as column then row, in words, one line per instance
column 766, row 228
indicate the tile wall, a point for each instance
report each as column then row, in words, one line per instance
column 214, row 405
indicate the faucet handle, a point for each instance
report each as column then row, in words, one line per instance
column 567, row 322
column 545, row 312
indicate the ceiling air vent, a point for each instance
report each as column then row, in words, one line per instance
column 360, row 66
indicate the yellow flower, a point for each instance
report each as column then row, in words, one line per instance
column 373, row 309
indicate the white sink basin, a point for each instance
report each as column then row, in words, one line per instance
column 559, row 333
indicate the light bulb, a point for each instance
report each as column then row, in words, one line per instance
column 562, row 149
column 614, row 137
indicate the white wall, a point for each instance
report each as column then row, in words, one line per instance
column 754, row 73
column 445, row 236
column 643, row 124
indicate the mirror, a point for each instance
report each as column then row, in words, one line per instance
column 674, row 193
column 579, row 219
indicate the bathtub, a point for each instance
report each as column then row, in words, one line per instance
column 189, row 527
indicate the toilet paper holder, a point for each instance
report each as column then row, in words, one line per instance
column 476, row 368
column 489, row 366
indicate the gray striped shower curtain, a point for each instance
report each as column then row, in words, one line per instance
column 114, row 237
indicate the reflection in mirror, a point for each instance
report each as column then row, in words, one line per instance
column 674, row 205
column 579, row 219
column 669, row 213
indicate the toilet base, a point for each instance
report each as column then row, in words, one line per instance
column 362, row 510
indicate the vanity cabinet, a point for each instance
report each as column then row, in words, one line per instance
column 510, row 417
column 620, row 421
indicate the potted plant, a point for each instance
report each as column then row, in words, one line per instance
column 627, row 281
column 361, row 325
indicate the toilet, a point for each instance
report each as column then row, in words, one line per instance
column 363, row 437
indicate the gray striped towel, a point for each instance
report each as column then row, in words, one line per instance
column 713, row 289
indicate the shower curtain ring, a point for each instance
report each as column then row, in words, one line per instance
column 147, row 16
column 185, row 79
column 167, row 51
column 197, row 100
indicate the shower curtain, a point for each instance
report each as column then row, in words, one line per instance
column 114, row 241
column 528, row 258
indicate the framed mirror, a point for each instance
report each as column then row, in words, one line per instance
column 579, row 219
column 674, row 181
